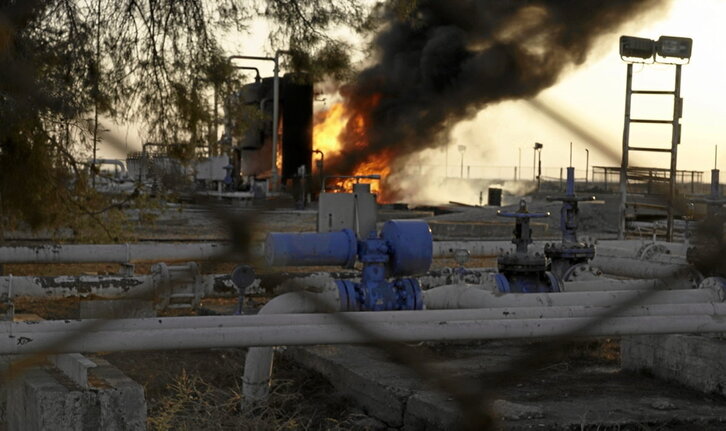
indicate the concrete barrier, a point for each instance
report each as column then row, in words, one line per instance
column 42, row 399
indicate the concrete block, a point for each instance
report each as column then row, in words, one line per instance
column 515, row 411
column 116, row 309
column 576, row 396
column 73, row 365
column 430, row 411
column 381, row 390
column 45, row 399
column 4, row 365
column 692, row 360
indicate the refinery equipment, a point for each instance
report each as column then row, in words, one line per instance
column 248, row 132
column 571, row 255
column 707, row 251
column 523, row 272
column 357, row 211
column 403, row 248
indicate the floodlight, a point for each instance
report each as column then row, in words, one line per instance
column 636, row 47
column 671, row 46
column 538, row 146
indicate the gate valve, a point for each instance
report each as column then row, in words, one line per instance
column 569, row 212
column 570, row 252
column 522, row 232
column 522, row 272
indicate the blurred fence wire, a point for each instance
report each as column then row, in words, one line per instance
column 474, row 401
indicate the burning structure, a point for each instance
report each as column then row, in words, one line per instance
column 433, row 68
column 248, row 131
column 446, row 62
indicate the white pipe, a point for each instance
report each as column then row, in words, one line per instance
column 668, row 259
column 600, row 284
column 34, row 330
column 124, row 253
column 218, row 285
column 21, row 340
column 111, row 286
column 603, row 284
column 475, row 248
column 630, row 248
column 258, row 362
column 629, row 267
column 464, row 296
column 113, row 253
column 70, row 286
column 616, row 248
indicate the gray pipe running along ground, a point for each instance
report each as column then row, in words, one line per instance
column 630, row 248
column 113, row 253
column 212, row 285
column 265, row 330
column 109, row 286
column 602, row 284
column 220, row 285
column 259, row 360
column 633, row 268
column 24, row 337
column 463, row 296
column 125, row 253
column 43, row 328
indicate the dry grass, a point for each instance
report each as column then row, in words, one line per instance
column 201, row 390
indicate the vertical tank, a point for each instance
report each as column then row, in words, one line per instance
column 297, row 124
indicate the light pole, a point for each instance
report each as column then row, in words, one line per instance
column 538, row 153
column 462, row 149
column 587, row 165
column 446, row 161
column 519, row 165
column 671, row 50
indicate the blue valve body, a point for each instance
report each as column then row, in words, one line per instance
column 317, row 249
column 405, row 247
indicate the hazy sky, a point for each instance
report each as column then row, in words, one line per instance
column 593, row 96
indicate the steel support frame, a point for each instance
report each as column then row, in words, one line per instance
column 675, row 140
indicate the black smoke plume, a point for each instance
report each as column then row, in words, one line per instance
column 449, row 59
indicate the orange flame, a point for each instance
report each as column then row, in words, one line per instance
column 338, row 121
column 328, row 127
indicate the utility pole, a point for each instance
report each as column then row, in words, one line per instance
column 446, row 162
column 538, row 155
column 518, row 176
column 462, row 149
column 587, row 165
column 96, row 96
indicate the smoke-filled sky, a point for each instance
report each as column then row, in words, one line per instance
column 592, row 94
column 451, row 60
